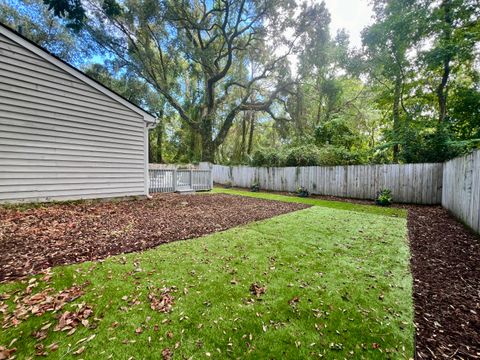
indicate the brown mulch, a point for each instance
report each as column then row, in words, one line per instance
column 446, row 270
column 445, row 255
column 57, row 234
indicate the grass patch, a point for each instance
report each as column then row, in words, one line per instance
column 340, row 205
column 348, row 270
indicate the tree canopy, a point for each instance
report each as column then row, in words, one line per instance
column 266, row 82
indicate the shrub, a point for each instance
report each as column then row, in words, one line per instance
column 302, row 192
column 384, row 197
column 269, row 158
column 306, row 155
column 255, row 187
column 336, row 155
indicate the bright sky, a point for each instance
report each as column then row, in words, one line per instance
column 352, row 15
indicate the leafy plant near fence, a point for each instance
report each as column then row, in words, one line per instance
column 384, row 197
column 306, row 155
column 302, row 192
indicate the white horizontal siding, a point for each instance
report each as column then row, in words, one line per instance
column 62, row 139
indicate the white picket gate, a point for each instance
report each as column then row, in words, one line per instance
column 172, row 180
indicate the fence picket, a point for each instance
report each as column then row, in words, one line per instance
column 171, row 180
column 410, row 183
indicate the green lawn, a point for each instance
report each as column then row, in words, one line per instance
column 337, row 284
column 341, row 205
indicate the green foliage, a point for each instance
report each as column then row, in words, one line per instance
column 255, row 187
column 302, row 192
column 337, row 155
column 35, row 22
column 72, row 10
column 268, row 157
column 411, row 94
column 307, row 155
column 384, row 197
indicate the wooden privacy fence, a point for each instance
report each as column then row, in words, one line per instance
column 410, row 183
column 461, row 190
column 171, row 180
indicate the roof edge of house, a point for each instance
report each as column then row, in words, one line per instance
column 52, row 58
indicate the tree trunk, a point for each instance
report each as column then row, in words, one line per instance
column 447, row 37
column 244, row 135
column 250, row 136
column 396, row 116
column 208, row 150
column 208, row 145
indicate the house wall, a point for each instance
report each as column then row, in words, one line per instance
column 61, row 138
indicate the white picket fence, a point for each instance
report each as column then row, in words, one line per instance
column 171, row 180
column 410, row 183
column 461, row 189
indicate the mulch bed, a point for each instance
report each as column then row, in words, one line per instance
column 445, row 255
column 446, row 270
column 57, row 234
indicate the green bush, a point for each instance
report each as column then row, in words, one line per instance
column 334, row 155
column 269, row 158
column 302, row 192
column 306, row 155
column 255, row 187
column 384, row 197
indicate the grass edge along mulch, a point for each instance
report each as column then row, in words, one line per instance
column 34, row 239
column 248, row 291
column 445, row 262
column 323, row 201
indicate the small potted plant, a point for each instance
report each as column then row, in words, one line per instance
column 302, row 192
column 384, row 197
column 255, row 187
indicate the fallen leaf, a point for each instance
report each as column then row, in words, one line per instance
column 257, row 289
column 6, row 353
column 167, row 354
column 79, row 351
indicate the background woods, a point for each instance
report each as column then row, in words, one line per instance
column 267, row 83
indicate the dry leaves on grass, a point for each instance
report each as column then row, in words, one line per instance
column 167, row 354
column 164, row 301
column 56, row 234
column 293, row 301
column 69, row 320
column 6, row 353
column 38, row 304
column 257, row 289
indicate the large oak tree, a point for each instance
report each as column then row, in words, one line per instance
column 210, row 60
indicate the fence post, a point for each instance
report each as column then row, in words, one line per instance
column 191, row 179
column 211, row 178
column 174, row 179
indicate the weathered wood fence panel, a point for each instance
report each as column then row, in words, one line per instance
column 171, row 180
column 461, row 191
column 410, row 183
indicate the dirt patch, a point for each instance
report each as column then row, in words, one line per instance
column 446, row 271
column 39, row 238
